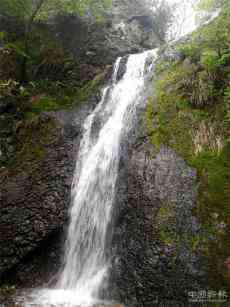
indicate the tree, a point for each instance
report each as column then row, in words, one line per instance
column 29, row 12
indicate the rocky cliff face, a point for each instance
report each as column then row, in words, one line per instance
column 127, row 28
column 35, row 197
column 156, row 258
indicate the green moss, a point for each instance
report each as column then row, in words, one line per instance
column 7, row 290
column 190, row 114
column 91, row 87
column 32, row 140
column 165, row 213
column 57, row 96
column 45, row 103
column 34, row 135
column 217, row 178
column 195, row 241
column 213, row 209
column 167, row 237
column 177, row 129
column 165, row 221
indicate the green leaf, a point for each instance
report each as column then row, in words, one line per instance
column 18, row 48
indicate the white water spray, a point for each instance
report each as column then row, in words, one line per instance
column 86, row 264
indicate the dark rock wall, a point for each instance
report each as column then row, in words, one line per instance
column 155, row 258
column 126, row 28
column 35, row 198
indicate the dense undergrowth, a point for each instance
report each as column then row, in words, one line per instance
column 54, row 77
column 55, row 80
column 190, row 113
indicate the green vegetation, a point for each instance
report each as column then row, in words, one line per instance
column 165, row 222
column 34, row 135
column 29, row 13
column 37, row 74
column 46, row 76
column 23, row 133
column 53, row 96
column 191, row 114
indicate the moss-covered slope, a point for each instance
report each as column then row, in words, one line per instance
column 190, row 114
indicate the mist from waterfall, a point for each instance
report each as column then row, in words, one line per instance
column 87, row 262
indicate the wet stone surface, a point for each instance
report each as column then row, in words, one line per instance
column 34, row 201
column 155, row 237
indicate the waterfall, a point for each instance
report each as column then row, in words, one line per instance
column 86, row 264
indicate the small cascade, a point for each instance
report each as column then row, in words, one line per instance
column 86, row 263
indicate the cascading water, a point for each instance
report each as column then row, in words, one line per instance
column 86, row 264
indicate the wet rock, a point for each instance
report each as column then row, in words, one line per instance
column 154, row 261
column 122, row 68
column 35, row 198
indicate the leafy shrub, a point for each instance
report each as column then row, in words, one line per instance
column 204, row 75
column 210, row 60
column 190, row 82
column 190, row 50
